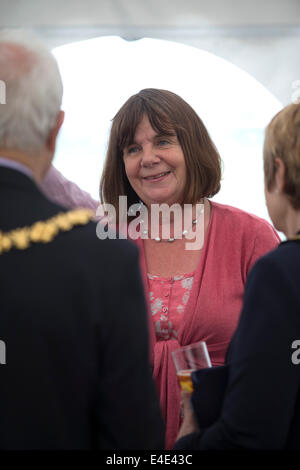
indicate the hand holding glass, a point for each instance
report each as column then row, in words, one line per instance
column 187, row 359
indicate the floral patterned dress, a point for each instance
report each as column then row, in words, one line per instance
column 168, row 298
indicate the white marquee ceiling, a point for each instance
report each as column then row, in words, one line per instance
column 261, row 37
column 158, row 13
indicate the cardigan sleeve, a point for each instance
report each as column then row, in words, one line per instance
column 64, row 192
column 266, row 240
column 263, row 383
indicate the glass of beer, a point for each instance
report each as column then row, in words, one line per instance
column 187, row 359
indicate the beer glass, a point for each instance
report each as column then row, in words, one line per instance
column 187, row 359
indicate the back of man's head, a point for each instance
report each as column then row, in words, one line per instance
column 31, row 91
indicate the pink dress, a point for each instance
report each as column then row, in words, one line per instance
column 234, row 241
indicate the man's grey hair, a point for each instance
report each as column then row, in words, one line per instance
column 33, row 91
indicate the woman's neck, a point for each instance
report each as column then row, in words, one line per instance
column 174, row 223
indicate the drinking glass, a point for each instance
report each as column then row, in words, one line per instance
column 187, row 359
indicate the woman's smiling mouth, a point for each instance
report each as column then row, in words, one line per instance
column 157, row 177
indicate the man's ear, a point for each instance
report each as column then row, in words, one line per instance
column 51, row 141
column 279, row 175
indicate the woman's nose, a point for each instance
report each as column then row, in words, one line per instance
column 149, row 157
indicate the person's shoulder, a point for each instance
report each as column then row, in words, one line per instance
column 84, row 239
column 46, row 205
column 75, row 231
column 236, row 215
column 286, row 256
column 236, row 218
column 282, row 261
column 53, row 207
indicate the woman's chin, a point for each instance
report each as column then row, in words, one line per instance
column 159, row 202
column 160, row 199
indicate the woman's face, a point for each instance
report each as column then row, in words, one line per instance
column 155, row 166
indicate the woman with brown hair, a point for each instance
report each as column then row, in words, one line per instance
column 160, row 153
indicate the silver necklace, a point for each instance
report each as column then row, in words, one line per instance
column 172, row 239
column 183, row 233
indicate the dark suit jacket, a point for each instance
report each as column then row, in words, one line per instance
column 73, row 320
column 261, row 403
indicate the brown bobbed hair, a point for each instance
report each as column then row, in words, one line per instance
column 167, row 113
column 282, row 140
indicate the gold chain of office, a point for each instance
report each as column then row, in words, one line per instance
column 43, row 231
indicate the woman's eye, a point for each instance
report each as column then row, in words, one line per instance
column 131, row 150
column 163, row 142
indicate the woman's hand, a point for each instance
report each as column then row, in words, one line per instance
column 189, row 423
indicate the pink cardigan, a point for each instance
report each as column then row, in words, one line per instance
column 234, row 241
